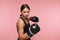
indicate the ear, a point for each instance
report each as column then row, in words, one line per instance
column 20, row 14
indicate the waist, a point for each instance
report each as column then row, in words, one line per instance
column 25, row 39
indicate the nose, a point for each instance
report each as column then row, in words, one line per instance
column 27, row 13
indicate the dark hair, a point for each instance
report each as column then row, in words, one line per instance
column 24, row 6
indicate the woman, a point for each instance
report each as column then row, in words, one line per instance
column 23, row 23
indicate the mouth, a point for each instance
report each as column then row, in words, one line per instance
column 26, row 16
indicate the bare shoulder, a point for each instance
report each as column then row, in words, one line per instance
column 20, row 23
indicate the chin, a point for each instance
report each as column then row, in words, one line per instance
column 26, row 17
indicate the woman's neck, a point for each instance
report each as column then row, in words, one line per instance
column 26, row 19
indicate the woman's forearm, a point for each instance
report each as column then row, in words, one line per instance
column 23, row 37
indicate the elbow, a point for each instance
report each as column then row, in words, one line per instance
column 22, row 37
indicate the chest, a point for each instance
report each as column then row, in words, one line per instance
column 26, row 27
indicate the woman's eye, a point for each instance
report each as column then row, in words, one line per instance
column 24, row 12
column 27, row 11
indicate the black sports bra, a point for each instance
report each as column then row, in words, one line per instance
column 26, row 27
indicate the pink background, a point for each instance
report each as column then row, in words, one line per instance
column 47, row 11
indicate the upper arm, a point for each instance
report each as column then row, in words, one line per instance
column 20, row 26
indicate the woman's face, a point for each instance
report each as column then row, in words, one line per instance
column 25, row 12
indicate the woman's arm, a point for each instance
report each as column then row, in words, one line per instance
column 20, row 25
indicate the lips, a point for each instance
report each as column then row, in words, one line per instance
column 26, row 15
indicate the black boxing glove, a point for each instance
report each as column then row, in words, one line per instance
column 34, row 19
column 33, row 30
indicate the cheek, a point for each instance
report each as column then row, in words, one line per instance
column 24, row 14
column 28, row 13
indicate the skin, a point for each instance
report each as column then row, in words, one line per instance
column 20, row 24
